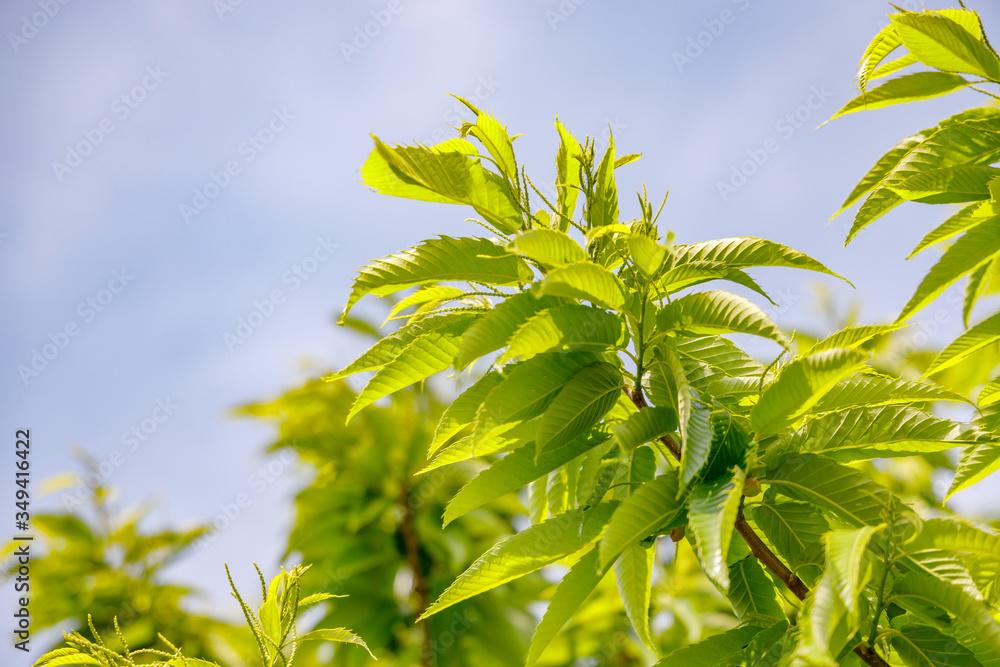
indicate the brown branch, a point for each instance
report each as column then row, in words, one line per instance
column 770, row 559
column 412, row 543
column 760, row 550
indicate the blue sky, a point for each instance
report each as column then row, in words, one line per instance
column 257, row 115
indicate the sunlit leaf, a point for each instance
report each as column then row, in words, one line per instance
column 444, row 259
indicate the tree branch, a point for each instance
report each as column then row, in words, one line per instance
column 760, row 550
column 420, row 588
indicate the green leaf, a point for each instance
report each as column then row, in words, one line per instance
column 730, row 445
column 499, row 441
column 642, row 469
column 582, row 403
column 985, row 333
column 924, row 590
column 977, row 246
column 941, row 43
column 874, row 390
column 647, row 254
column 713, row 651
column 845, row 550
column 978, row 463
column 974, row 288
column 66, row 656
column 919, row 86
column 982, row 651
column 426, row 297
column 954, row 536
column 693, row 421
column 428, row 354
column 603, row 210
column 765, row 649
column 549, row 247
column 388, row 348
column 947, row 185
column 512, row 472
column 523, row 553
column 958, row 140
column 316, row 598
column 627, row 159
column 588, row 282
column 800, row 385
column 717, row 312
column 653, row 506
column 887, row 431
column 341, row 635
column 881, row 169
column 572, row 591
column 921, row 645
column 494, row 137
column 696, row 273
column 444, row 259
column 894, row 66
column 853, row 336
column 832, row 488
column 968, row 217
column 746, row 252
column 463, row 410
column 530, row 387
column 751, row 592
column 884, row 43
column 563, row 328
column 645, row 426
column 989, row 394
column 567, row 175
column 712, row 512
column 448, row 173
column 823, row 631
column 494, row 329
column 697, row 443
column 709, row 358
column 633, row 570
column 791, row 527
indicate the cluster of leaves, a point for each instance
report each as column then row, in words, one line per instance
column 101, row 563
column 612, row 394
column 272, row 626
column 945, row 164
column 370, row 519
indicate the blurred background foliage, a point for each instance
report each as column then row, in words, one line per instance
column 100, row 562
column 369, row 522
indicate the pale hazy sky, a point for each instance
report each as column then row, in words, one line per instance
column 220, row 148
